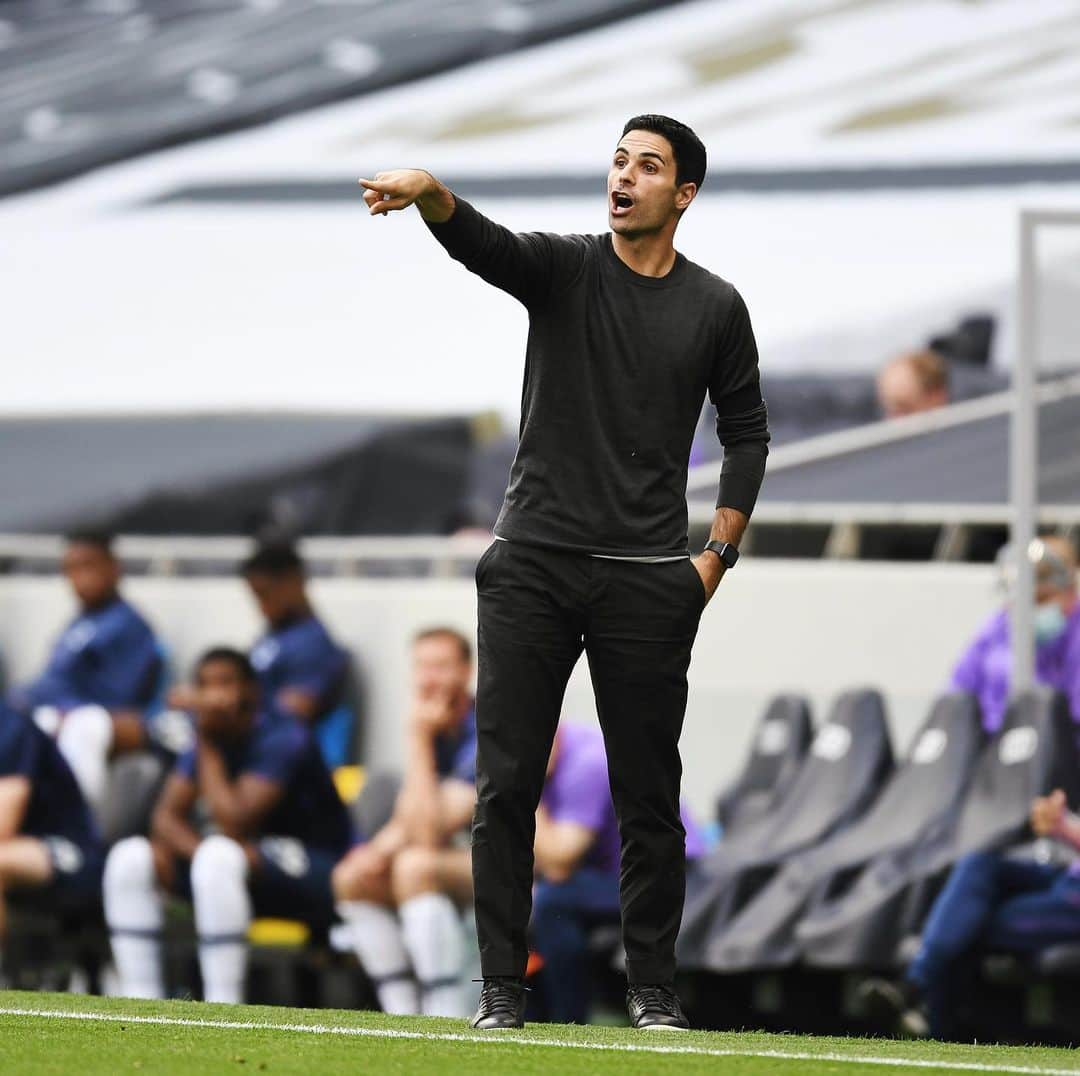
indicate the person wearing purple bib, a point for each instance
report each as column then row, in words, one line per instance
column 578, row 852
column 985, row 667
column 991, row 902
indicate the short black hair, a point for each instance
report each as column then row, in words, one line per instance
column 236, row 658
column 276, row 560
column 691, row 159
column 98, row 539
column 445, row 632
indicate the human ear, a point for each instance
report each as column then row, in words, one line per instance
column 685, row 195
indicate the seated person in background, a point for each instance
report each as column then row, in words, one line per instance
column 49, row 847
column 913, row 382
column 103, row 672
column 280, row 828
column 985, row 668
column 301, row 669
column 577, row 863
column 400, row 892
column 989, row 904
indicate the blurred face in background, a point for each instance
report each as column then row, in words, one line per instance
column 442, row 672
column 93, row 572
column 224, row 700
column 277, row 596
column 911, row 384
column 1056, row 597
column 643, row 193
column 1055, row 575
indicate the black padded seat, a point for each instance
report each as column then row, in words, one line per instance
column 1033, row 753
column 134, row 782
column 917, row 804
column 374, row 807
column 849, row 758
column 780, row 744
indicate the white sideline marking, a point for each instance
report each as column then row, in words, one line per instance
column 520, row 1040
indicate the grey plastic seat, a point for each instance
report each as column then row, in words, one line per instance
column 780, row 744
column 134, row 782
column 849, row 758
column 917, row 804
column 1033, row 753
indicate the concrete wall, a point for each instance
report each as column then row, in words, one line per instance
column 812, row 626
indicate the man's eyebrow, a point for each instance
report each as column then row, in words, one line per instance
column 643, row 153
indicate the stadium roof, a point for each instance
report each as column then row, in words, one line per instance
column 239, row 273
column 858, row 95
column 950, row 464
column 85, row 85
column 235, row 474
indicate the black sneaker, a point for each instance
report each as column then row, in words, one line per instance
column 502, row 1005
column 655, row 1008
column 898, row 1005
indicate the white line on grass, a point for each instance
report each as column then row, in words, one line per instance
column 495, row 1039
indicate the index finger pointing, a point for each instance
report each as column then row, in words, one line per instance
column 373, row 185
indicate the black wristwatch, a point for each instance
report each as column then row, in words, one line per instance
column 727, row 553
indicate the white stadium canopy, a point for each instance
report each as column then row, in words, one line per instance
column 868, row 163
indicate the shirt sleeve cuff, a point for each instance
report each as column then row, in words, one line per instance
column 460, row 221
column 741, row 476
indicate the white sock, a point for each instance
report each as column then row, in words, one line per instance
column 133, row 910
column 433, row 935
column 219, row 871
column 84, row 739
column 375, row 934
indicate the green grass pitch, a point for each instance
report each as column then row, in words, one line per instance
column 79, row 1036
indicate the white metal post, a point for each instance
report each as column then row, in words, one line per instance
column 1024, row 458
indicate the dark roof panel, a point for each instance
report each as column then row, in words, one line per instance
column 964, row 464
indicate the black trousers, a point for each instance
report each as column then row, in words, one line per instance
column 538, row 609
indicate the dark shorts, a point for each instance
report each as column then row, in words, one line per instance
column 292, row 881
column 76, row 882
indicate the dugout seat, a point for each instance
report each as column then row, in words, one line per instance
column 373, row 807
column 135, row 781
column 849, row 758
column 780, row 743
column 917, row 804
column 1033, row 753
column 340, row 734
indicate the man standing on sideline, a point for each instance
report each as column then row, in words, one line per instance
column 625, row 338
column 577, row 865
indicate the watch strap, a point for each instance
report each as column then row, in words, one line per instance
column 727, row 553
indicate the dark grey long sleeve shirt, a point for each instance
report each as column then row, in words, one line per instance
column 616, row 370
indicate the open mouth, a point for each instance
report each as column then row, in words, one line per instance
column 621, row 202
